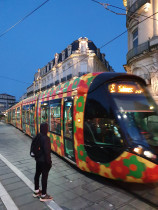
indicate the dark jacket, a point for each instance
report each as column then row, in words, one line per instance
column 45, row 145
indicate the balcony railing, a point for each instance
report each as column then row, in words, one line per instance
column 137, row 50
column 138, row 4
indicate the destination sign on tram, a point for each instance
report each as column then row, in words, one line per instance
column 125, row 88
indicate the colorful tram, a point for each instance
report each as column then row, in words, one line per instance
column 105, row 123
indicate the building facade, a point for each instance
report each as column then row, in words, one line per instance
column 80, row 57
column 6, row 101
column 142, row 26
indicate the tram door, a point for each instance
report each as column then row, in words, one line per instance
column 68, row 129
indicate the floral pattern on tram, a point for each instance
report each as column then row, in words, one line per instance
column 127, row 167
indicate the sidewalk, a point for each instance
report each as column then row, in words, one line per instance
column 71, row 189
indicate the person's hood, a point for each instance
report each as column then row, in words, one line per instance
column 44, row 128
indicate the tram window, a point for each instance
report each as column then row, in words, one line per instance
column 18, row 114
column 152, row 123
column 137, row 112
column 144, row 123
column 68, row 119
column 103, row 131
column 32, row 122
column 102, row 136
column 13, row 115
column 27, row 114
column 9, row 116
column 101, row 127
column 44, row 112
column 32, row 112
column 24, row 114
column 55, row 116
column 69, row 148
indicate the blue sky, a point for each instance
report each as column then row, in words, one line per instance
column 32, row 43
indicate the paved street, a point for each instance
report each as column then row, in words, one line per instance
column 71, row 188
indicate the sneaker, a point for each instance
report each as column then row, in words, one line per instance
column 38, row 194
column 46, row 198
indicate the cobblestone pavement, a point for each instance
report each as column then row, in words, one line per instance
column 71, row 188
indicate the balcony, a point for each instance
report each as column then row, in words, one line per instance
column 137, row 50
column 137, row 5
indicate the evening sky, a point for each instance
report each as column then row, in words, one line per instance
column 32, row 43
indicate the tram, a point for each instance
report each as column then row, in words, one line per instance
column 105, row 123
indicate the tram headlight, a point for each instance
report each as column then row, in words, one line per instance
column 138, row 150
column 149, row 154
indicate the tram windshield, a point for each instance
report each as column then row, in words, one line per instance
column 136, row 111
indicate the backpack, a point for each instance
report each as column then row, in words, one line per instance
column 35, row 149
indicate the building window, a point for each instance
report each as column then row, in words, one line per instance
column 135, row 38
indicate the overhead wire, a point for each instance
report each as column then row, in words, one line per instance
column 4, row 77
column 21, row 20
column 105, row 5
column 110, row 41
column 13, row 27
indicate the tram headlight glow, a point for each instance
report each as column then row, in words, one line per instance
column 138, row 150
column 124, row 116
column 119, row 116
column 149, row 154
column 151, row 107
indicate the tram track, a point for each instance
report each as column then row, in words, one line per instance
column 147, row 193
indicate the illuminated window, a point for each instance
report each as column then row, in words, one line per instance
column 25, row 114
column 18, row 114
column 44, row 112
column 68, row 119
column 55, row 116
column 32, row 119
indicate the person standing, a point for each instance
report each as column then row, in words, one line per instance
column 43, row 165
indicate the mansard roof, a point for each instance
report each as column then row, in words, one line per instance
column 75, row 46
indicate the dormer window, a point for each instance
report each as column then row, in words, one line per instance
column 135, row 38
column 83, row 44
column 98, row 52
column 56, row 58
column 51, row 66
column 69, row 48
column 103, row 57
column 63, row 55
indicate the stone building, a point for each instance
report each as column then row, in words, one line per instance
column 6, row 101
column 142, row 26
column 80, row 57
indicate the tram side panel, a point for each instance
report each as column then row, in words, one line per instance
column 29, row 116
column 50, row 110
column 19, row 116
